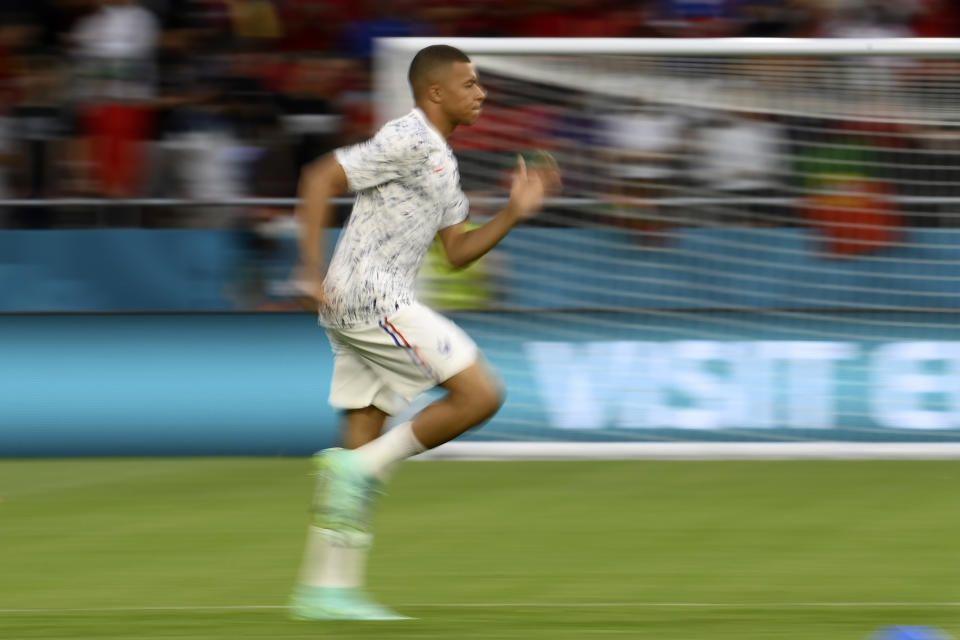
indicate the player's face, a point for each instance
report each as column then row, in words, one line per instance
column 462, row 94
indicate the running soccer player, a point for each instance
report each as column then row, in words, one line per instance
column 389, row 348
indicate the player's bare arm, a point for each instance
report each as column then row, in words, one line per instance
column 320, row 181
column 527, row 194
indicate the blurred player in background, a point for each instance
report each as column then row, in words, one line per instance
column 388, row 347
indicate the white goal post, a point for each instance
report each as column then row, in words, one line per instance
column 758, row 239
column 392, row 56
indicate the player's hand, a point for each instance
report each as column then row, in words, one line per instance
column 309, row 287
column 532, row 184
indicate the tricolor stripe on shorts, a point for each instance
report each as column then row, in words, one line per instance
column 401, row 342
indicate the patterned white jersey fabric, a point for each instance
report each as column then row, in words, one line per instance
column 408, row 187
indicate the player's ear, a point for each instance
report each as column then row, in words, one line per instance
column 434, row 93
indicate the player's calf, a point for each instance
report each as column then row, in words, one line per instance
column 477, row 396
column 344, row 492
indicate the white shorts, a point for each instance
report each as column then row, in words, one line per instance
column 390, row 363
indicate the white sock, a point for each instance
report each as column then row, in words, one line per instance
column 334, row 559
column 393, row 446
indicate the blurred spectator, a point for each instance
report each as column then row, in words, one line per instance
column 114, row 48
column 312, row 25
column 696, row 18
column 355, row 101
column 206, row 159
column 574, row 19
column 264, row 86
column 642, row 144
column 742, row 155
column 34, row 27
column 642, row 22
column 478, row 18
column 40, row 135
column 114, row 56
column 7, row 153
column 311, row 115
column 247, row 79
column 931, row 169
column 256, row 23
column 936, row 19
column 871, row 19
column 846, row 199
column 381, row 19
column 578, row 134
column 780, row 18
column 212, row 139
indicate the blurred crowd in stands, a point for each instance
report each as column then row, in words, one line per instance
column 218, row 99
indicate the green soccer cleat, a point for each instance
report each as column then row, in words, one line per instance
column 344, row 493
column 330, row 603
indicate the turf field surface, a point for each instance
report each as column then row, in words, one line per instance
column 209, row 548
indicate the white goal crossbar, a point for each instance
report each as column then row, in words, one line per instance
column 393, row 55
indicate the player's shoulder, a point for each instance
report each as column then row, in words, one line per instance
column 409, row 131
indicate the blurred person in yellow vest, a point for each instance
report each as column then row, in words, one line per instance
column 472, row 287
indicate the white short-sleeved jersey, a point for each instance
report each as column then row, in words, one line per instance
column 408, row 188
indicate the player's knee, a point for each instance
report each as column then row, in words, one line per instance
column 490, row 397
column 478, row 393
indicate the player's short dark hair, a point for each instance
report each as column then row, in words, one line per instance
column 429, row 60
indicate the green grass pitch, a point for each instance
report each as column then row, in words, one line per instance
column 209, row 548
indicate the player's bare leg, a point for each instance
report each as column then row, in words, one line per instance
column 341, row 533
column 474, row 396
column 362, row 425
column 332, row 575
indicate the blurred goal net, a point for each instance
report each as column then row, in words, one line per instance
column 757, row 239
